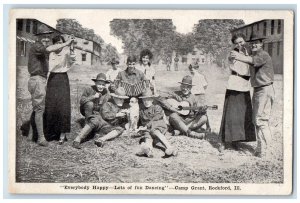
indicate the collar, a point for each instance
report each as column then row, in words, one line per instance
column 134, row 72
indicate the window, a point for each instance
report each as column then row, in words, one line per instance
column 272, row 26
column 270, row 49
column 28, row 22
column 83, row 57
column 34, row 27
column 279, row 27
column 194, row 53
column 20, row 24
column 184, row 60
column 265, row 29
column 278, row 48
column 257, row 27
column 23, row 48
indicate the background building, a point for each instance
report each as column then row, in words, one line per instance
column 26, row 30
column 272, row 29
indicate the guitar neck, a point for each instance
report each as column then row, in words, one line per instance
column 196, row 108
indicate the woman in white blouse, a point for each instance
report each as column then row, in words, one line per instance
column 236, row 124
column 145, row 66
column 58, row 101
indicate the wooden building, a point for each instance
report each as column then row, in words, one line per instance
column 272, row 29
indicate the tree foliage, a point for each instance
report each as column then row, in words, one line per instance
column 213, row 35
column 72, row 26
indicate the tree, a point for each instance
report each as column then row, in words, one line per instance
column 213, row 36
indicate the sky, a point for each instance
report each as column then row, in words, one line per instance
column 101, row 26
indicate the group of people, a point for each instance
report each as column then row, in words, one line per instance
column 120, row 99
column 169, row 62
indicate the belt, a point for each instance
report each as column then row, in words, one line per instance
column 36, row 74
column 271, row 83
column 242, row 76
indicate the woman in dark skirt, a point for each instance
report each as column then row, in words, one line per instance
column 58, row 101
column 236, row 124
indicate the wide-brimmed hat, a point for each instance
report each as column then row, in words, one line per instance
column 113, row 61
column 147, row 94
column 100, row 77
column 43, row 30
column 255, row 37
column 120, row 93
column 187, row 80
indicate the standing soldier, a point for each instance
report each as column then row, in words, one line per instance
column 262, row 78
column 176, row 60
column 38, row 67
column 168, row 64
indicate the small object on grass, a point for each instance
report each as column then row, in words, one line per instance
column 76, row 145
column 99, row 143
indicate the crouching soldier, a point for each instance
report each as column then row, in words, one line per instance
column 191, row 124
column 109, row 123
column 153, row 126
column 94, row 96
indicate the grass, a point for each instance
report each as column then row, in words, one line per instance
column 198, row 161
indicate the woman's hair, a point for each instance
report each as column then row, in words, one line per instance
column 146, row 52
column 238, row 35
column 131, row 59
column 57, row 38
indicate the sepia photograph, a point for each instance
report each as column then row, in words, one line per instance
column 151, row 101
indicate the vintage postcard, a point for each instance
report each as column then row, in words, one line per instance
column 189, row 102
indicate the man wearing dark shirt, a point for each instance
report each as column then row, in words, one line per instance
column 131, row 76
column 262, row 77
column 108, row 122
column 38, row 66
column 93, row 97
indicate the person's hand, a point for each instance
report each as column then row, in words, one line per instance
column 141, row 128
column 97, row 95
column 235, row 55
column 113, row 87
column 121, row 114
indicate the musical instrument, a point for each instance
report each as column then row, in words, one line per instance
column 133, row 90
column 184, row 107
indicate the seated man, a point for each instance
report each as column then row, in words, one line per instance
column 191, row 124
column 94, row 96
column 132, row 79
column 154, row 126
column 108, row 122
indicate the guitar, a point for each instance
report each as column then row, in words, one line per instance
column 184, row 107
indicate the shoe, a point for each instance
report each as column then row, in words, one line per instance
column 171, row 152
column 62, row 140
column 99, row 143
column 43, row 143
column 176, row 133
column 76, row 145
column 145, row 151
column 196, row 135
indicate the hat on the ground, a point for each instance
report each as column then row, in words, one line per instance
column 101, row 77
column 120, row 93
column 255, row 37
column 114, row 61
column 147, row 94
column 187, row 80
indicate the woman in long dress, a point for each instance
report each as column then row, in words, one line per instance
column 58, row 101
column 146, row 68
column 236, row 124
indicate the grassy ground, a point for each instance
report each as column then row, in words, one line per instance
column 197, row 161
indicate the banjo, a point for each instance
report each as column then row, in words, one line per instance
column 184, row 107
